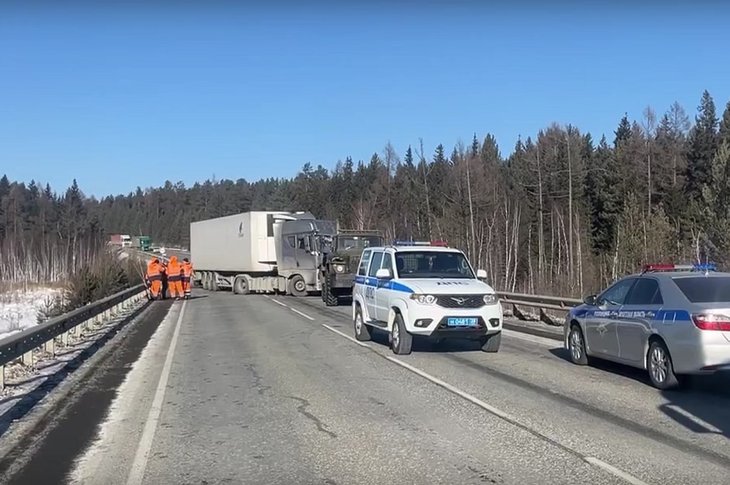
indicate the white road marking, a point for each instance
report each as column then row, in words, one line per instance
column 342, row 334
column 531, row 338
column 495, row 411
column 302, row 314
column 691, row 417
column 278, row 303
column 613, row 470
column 136, row 473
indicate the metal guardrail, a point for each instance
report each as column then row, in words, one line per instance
column 541, row 302
column 22, row 344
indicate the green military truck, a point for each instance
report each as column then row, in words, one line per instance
column 340, row 257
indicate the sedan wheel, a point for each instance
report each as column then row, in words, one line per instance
column 577, row 347
column 661, row 370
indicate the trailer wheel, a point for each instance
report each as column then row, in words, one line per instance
column 297, row 286
column 240, row 286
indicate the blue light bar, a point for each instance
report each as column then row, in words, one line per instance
column 705, row 267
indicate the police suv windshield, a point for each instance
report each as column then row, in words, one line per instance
column 346, row 243
column 432, row 264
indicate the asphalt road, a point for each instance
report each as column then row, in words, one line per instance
column 273, row 390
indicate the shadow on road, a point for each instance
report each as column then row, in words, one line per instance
column 428, row 345
column 701, row 404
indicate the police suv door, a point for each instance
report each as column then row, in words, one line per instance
column 360, row 279
column 372, row 283
column 383, row 293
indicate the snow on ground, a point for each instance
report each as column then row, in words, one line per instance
column 19, row 308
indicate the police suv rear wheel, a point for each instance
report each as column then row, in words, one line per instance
column 362, row 332
column 400, row 340
column 490, row 343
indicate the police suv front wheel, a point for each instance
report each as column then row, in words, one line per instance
column 362, row 332
column 400, row 340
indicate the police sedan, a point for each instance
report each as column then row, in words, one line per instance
column 671, row 320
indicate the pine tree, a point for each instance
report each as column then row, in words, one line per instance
column 702, row 147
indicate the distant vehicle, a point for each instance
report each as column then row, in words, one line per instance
column 258, row 251
column 340, row 255
column 143, row 243
column 671, row 320
column 123, row 240
column 424, row 289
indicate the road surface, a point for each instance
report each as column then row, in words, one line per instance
column 274, row 390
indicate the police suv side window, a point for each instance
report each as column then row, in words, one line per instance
column 375, row 265
column 645, row 292
column 387, row 262
column 363, row 269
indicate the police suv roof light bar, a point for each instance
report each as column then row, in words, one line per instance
column 420, row 243
column 706, row 267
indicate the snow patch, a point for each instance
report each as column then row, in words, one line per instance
column 19, row 308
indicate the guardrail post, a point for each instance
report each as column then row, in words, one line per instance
column 65, row 337
column 50, row 347
column 2, row 377
column 544, row 317
column 28, row 358
column 517, row 313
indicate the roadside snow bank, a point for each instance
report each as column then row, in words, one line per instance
column 19, row 309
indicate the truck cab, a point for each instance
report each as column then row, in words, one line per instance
column 340, row 256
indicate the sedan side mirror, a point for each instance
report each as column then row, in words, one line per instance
column 383, row 274
column 481, row 274
column 590, row 300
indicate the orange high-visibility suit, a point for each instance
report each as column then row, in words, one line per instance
column 174, row 278
column 187, row 274
column 154, row 277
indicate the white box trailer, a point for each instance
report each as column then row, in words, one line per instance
column 239, row 252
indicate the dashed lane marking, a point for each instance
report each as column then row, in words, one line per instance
column 342, row 334
column 301, row 313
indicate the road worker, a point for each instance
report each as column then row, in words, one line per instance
column 154, row 277
column 174, row 277
column 163, row 274
column 187, row 275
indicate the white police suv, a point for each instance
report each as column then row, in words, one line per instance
column 424, row 289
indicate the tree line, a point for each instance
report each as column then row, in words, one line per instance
column 563, row 213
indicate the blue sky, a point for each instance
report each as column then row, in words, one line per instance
column 136, row 95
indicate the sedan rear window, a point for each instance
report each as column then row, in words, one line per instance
column 705, row 290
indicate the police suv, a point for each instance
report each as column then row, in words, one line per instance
column 427, row 289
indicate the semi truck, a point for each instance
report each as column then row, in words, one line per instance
column 259, row 252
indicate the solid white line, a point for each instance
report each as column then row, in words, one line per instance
column 531, row 338
column 136, row 473
column 351, row 339
column 613, row 470
column 279, row 303
column 455, row 390
column 300, row 313
column 493, row 410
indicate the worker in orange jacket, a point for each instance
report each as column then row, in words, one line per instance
column 154, row 277
column 187, row 275
column 174, row 278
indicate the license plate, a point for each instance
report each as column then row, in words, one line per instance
column 461, row 322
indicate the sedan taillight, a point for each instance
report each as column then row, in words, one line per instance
column 710, row 321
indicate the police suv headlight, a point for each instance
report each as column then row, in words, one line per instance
column 339, row 268
column 423, row 299
column 490, row 299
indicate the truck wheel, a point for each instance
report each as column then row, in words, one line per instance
column 400, row 340
column 297, row 286
column 240, row 286
column 362, row 332
column 330, row 299
column 490, row 343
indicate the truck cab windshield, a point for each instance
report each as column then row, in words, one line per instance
column 432, row 264
column 347, row 243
